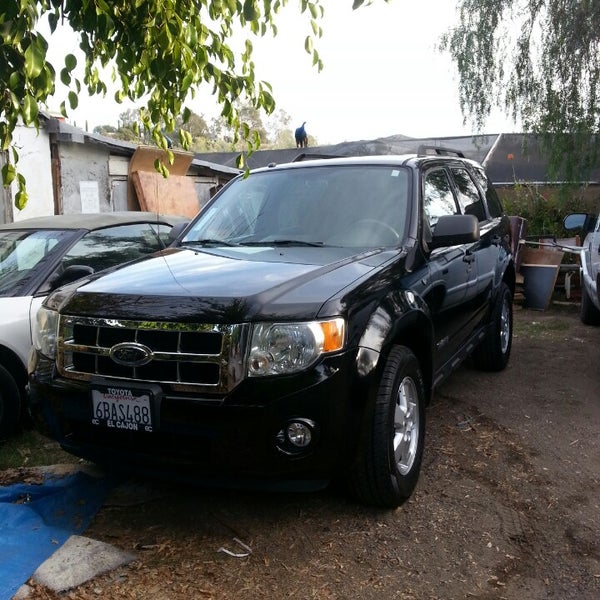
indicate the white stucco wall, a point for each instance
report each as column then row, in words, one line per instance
column 35, row 165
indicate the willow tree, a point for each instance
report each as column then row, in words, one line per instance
column 539, row 60
column 160, row 51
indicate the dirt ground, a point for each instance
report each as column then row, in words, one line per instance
column 508, row 504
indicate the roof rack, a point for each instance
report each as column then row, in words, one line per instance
column 425, row 150
column 314, row 156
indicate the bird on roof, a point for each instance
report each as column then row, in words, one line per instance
column 301, row 136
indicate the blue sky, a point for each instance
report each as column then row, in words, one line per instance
column 382, row 76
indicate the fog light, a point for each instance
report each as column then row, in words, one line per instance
column 297, row 436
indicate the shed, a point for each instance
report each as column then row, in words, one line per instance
column 70, row 171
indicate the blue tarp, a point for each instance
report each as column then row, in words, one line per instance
column 36, row 520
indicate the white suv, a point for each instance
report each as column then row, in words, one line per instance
column 589, row 226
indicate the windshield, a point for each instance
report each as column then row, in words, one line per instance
column 20, row 254
column 347, row 206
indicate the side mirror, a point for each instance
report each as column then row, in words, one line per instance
column 176, row 231
column 453, row 230
column 583, row 221
column 70, row 274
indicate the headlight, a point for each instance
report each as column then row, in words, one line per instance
column 45, row 333
column 283, row 348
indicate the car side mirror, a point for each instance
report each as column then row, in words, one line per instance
column 176, row 231
column 453, row 230
column 70, row 274
column 582, row 221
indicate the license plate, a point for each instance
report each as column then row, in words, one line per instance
column 122, row 408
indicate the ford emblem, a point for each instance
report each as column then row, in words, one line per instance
column 131, row 354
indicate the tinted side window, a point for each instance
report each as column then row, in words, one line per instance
column 439, row 199
column 493, row 202
column 112, row 246
column 468, row 195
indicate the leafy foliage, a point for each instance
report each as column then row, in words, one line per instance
column 540, row 61
column 160, row 51
column 545, row 208
column 217, row 136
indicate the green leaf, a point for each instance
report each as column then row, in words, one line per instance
column 30, row 109
column 14, row 81
column 15, row 102
column 65, row 77
column 161, row 168
column 8, row 174
column 73, row 100
column 21, row 196
column 70, row 61
column 35, row 57
column 43, row 84
column 249, row 11
column 53, row 21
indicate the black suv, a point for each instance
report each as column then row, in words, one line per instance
column 292, row 334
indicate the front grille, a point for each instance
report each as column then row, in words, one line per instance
column 188, row 357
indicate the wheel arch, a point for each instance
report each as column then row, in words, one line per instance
column 12, row 363
column 510, row 277
column 401, row 319
column 415, row 331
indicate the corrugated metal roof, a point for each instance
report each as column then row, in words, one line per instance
column 517, row 157
column 474, row 147
column 508, row 158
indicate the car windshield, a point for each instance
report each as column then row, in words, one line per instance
column 20, row 254
column 352, row 206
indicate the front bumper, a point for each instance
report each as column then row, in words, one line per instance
column 234, row 440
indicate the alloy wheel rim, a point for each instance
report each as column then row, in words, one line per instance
column 406, row 426
column 505, row 327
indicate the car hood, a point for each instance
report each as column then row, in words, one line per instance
column 225, row 285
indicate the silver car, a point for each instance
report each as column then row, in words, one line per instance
column 40, row 254
column 589, row 226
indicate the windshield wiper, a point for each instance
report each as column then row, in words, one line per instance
column 283, row 243
column 208, row 242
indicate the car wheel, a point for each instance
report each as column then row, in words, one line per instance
column 493, row 352
column 588, row 312
column 10, row 403
column 391, row 449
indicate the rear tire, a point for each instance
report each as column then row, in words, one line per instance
column 493, row 352
column 588, row 312
column 391, row 449
column 10, row 403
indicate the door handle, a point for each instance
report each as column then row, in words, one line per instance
column 469, row 257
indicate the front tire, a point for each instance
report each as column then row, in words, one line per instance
column 391, row 450
column 10, row 403
column 588, row 312
column 493, row 352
